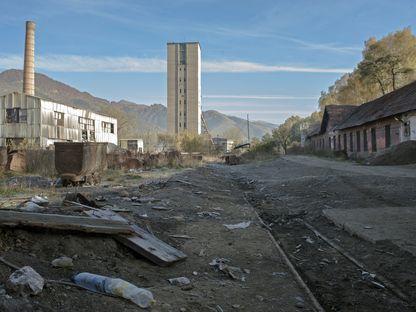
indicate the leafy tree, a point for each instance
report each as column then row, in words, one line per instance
column 387, row 64
column 288, row 132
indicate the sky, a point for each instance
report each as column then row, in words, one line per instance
column 270, row 59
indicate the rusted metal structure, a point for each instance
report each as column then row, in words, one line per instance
column 77, row 163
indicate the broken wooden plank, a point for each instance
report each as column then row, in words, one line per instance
column 142, row 242
column 63, row 222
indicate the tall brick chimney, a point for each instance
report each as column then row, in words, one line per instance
column 29, row 65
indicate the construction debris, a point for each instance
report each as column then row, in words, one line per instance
column 115, row 286
column 26, row 281
column 232, row 271
column 142, row 241
column 179, row 281
column 63, row 222
column 63, row 262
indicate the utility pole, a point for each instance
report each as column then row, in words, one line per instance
column 248, row 129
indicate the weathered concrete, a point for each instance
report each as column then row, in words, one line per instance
column 396, row 224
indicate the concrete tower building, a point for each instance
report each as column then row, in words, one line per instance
column 184, row 88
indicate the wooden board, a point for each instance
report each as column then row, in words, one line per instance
column 63, row 222
column 142, row 242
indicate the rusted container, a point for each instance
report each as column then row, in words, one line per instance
column 77, row 163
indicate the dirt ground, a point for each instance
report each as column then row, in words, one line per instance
column 267, row 285
column 285, row 192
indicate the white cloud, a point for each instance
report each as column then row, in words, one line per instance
column 249, row 67
column 260, row 97
column 78, row 63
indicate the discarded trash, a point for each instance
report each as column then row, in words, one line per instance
column 309, row 240
column 162, row 208
column 34, row 204
column 233, row 272
column 30, row 207
column 115, row 286
column 63, row 262
column 281, row 274
column 241, row 225
column 41, row 201
column 367, row 227
column 181, row 236
column 26, row 281
column 210, row 214
column 179, row 281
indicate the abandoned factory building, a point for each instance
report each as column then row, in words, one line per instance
column 41, row 122
column 369, row 128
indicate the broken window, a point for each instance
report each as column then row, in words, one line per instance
column 86, row 123
column 406, row 131
column 22, row 115
column 108, row 127
column 84, row 135
column 16, row 115
column 59, row 117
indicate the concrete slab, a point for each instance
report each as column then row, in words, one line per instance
column 397, row 224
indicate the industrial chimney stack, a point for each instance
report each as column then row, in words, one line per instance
column 29, row 66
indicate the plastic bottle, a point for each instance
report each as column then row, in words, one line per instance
column 115, row 286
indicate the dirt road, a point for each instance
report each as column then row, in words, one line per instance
column 294, row 189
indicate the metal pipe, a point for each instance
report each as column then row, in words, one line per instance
column 29, row 62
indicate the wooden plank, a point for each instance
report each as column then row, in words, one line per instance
column 142, row 242
column 63, row 222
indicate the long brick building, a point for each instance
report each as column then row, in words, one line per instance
column 369, row 128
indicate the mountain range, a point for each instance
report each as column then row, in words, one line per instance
column 134, row 120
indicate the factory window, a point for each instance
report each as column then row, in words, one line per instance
column 84, row 135
column 86, row 123
column 108, row 127
column 16, row 115
column 358, row 135
column 345, row 142
column 406, row 131
column 373, row 140
column 387, row 136
column 92, row 136
column 365, row 141
column 180, row 125
column 184, row 125
column 59, row 117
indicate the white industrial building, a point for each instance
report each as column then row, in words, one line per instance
column 184, row 88
column 41, row 122
column 133, row 145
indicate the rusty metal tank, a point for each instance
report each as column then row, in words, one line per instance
column 77, row 163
